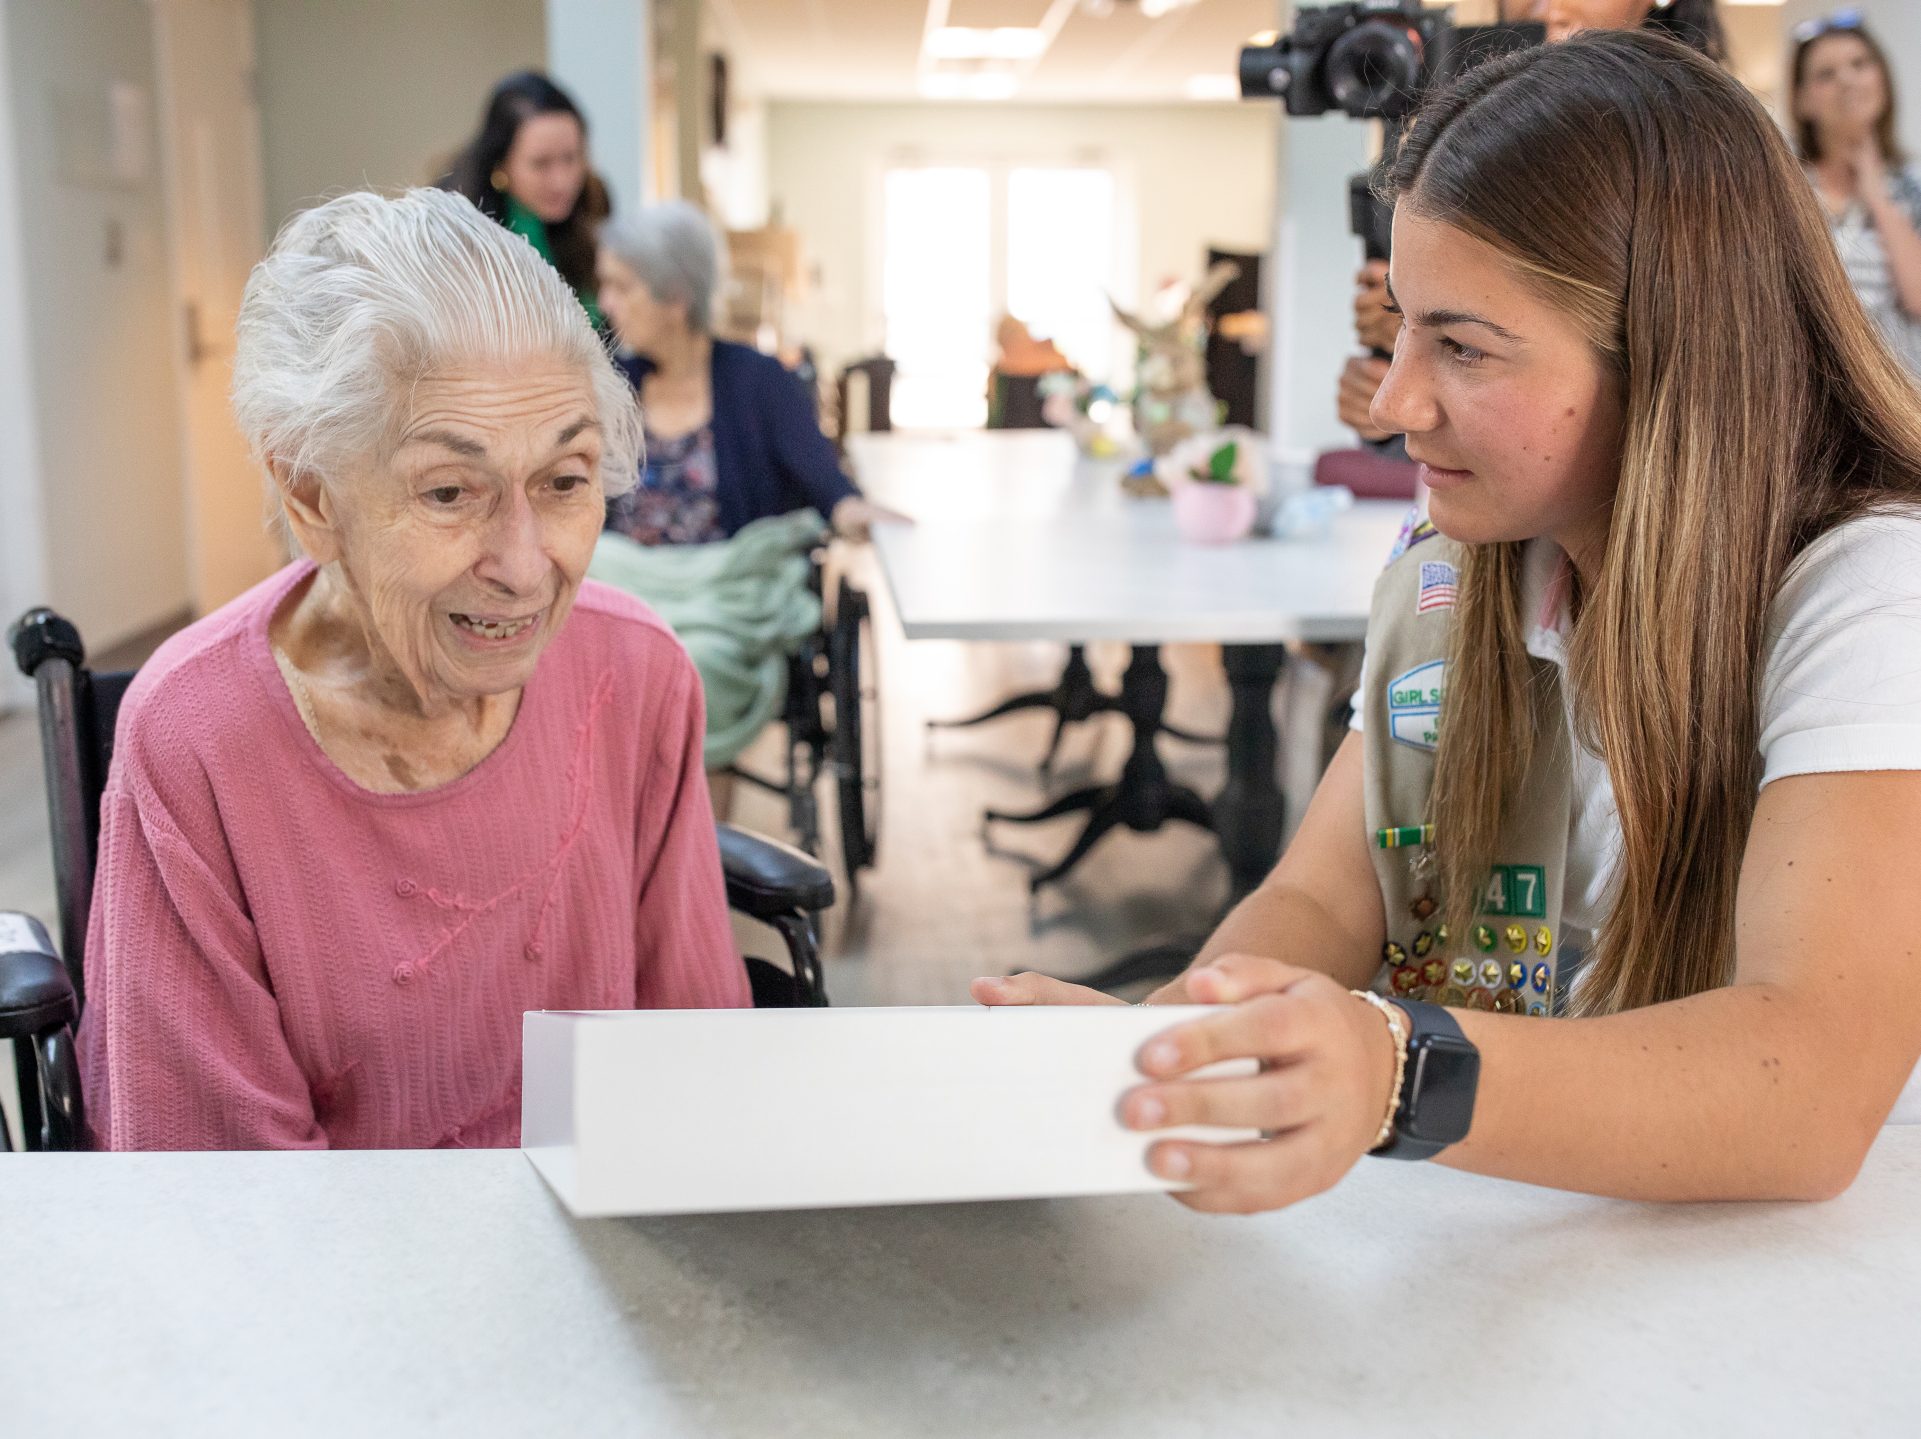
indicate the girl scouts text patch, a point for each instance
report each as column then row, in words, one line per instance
column 1414, row 704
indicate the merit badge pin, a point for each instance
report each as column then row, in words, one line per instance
column 1542, row 977
column 1414, row 705
column 1483, row 938
column 1543, row 941
column 1440, row 583
column 1424, row 943
column 1464, row 972
column 1434, row 972
column 1393, row 954
column 1516, row 936
column 1491, row 973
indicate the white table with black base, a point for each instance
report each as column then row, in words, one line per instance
column 449, row 1293
column 1017, row 537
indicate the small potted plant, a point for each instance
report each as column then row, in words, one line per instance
column 1214, row 481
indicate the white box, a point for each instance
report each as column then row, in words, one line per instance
column 699, row 1111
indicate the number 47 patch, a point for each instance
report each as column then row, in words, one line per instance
column 1519, row 890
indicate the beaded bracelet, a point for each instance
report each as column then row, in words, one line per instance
column 1397, row 1027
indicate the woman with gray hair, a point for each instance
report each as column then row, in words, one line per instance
column 731, row 435
column 423, row 779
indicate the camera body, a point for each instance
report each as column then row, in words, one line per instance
column 1371, row 59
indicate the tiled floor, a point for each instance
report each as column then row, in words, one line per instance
column 941, row 906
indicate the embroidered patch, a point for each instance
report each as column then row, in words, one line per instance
column 1439, row 585
column 1414, row 529
column 1414, row 705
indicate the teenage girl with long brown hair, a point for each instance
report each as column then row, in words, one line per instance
column 1615, row 887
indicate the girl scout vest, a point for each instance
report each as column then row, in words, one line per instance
column 1507, row 959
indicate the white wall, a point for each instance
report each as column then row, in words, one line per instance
column 103, row 443
column 600, row 53
column 375, row 92
column 1312, row 300
column 1897, row 25
column 1199, row 175
column 22, row 557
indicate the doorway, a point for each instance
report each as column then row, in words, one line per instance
column 210, row 146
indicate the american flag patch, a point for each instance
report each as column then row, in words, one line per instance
column 1439, row 582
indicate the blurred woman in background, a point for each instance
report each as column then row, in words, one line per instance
column 527, row 169
column 732, row 436
column 1844, row 128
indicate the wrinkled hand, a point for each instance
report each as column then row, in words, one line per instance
column 1361, row 380
column 1032, row 988
column 1024, row 989
column 854, row 518
column 1327, row 1069
column 1375, row 324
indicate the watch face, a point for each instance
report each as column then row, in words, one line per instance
column 1443, row 1075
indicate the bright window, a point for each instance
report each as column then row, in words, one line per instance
column 967, row 244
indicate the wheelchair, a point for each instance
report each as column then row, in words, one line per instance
column 42, row 988
column 831, row 720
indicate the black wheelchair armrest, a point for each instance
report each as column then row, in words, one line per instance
column 36, row 997
column 767, row 879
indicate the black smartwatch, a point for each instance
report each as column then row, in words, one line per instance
column 1437, row 1091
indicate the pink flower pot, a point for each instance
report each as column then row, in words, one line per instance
column 1209, row 514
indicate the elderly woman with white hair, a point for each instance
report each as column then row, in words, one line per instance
column 424, row 779
column 731, row 435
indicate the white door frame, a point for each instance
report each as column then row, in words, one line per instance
column 23, row 560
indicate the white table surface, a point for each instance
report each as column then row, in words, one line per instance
column 1018, row 538
column 411, row 1292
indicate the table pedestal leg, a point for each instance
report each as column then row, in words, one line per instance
column 1249, row 814
column 1144, row 798
column 1074, row 698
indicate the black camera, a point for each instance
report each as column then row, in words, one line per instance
column 1372, row 59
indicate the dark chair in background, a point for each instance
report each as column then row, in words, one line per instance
column 1233, row 375
column 1370, row 474
column 42, row 987
column 1014, row 403
column 876, row 374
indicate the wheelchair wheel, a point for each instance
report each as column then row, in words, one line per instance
column 854, row 743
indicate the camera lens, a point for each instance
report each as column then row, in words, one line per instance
column 1375, row 69
column 1264, row 72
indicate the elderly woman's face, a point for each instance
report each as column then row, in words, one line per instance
column 639, row 320
column 468, row 545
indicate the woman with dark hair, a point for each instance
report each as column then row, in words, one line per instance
column 1609, row 888
column 1695, row 23
column 527, row 169
column 1844, row 127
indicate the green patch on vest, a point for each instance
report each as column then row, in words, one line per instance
column 1517, row 890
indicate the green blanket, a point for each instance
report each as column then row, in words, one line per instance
column 741, row 607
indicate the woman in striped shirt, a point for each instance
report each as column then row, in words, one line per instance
column 1844, row 119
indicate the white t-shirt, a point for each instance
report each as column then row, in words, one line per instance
column 1840, row 690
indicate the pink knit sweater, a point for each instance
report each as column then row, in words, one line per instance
column 278, row 958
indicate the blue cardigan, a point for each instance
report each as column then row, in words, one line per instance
column 768, row 447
